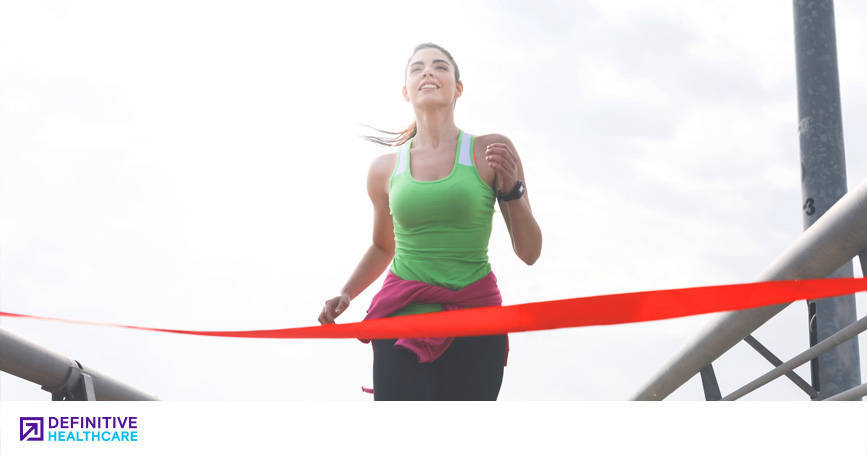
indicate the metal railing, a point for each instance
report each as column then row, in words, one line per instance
column 64, row 378
column 842, row 336
column 836, row 238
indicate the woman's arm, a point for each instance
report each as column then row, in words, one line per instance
column 381, row 250
column 524, row 231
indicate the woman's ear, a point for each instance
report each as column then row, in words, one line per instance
column 405, row 93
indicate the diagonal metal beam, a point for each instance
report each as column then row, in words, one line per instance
column 806, row 387
column 851, row 394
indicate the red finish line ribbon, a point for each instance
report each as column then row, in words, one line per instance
column 536, row 316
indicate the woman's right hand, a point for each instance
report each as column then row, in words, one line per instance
column 381, row 250
column 333, row 308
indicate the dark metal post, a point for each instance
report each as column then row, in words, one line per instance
column 823, row 176
column 709, row 383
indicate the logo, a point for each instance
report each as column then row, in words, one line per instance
column 79, row 429
column 32, row 428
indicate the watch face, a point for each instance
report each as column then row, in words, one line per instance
column 517, row 192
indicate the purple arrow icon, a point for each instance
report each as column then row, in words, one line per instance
column 31, row 428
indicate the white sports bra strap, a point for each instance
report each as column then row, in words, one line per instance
column 402, row 158
column 465, row 156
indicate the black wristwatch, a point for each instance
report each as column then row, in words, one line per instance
column 516, row 192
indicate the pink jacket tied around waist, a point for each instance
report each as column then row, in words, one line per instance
column 396, row 293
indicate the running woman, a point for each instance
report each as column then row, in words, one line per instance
column 433, row 204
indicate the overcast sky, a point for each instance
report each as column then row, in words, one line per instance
column 196, row 165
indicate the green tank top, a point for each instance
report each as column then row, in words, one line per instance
column 441, row 227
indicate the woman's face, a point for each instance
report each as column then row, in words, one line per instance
column 430, row 79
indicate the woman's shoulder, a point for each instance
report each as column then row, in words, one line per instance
column 383, row 165
column 491, row 138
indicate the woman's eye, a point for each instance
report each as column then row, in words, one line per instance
column 441, row 67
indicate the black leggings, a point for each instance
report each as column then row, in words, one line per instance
column 471, row 369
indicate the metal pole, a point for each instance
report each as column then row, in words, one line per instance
column 863, row 257
column 57, row 373
column 823, row 177
column 832, row 241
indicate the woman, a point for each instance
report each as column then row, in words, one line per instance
column 433, row 207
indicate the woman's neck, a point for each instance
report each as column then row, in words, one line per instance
column 435, row 127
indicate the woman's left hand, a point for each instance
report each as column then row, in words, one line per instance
column 504, row 161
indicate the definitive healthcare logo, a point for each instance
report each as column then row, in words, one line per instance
column 79, row 429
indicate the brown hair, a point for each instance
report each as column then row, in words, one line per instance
column 398, row 138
